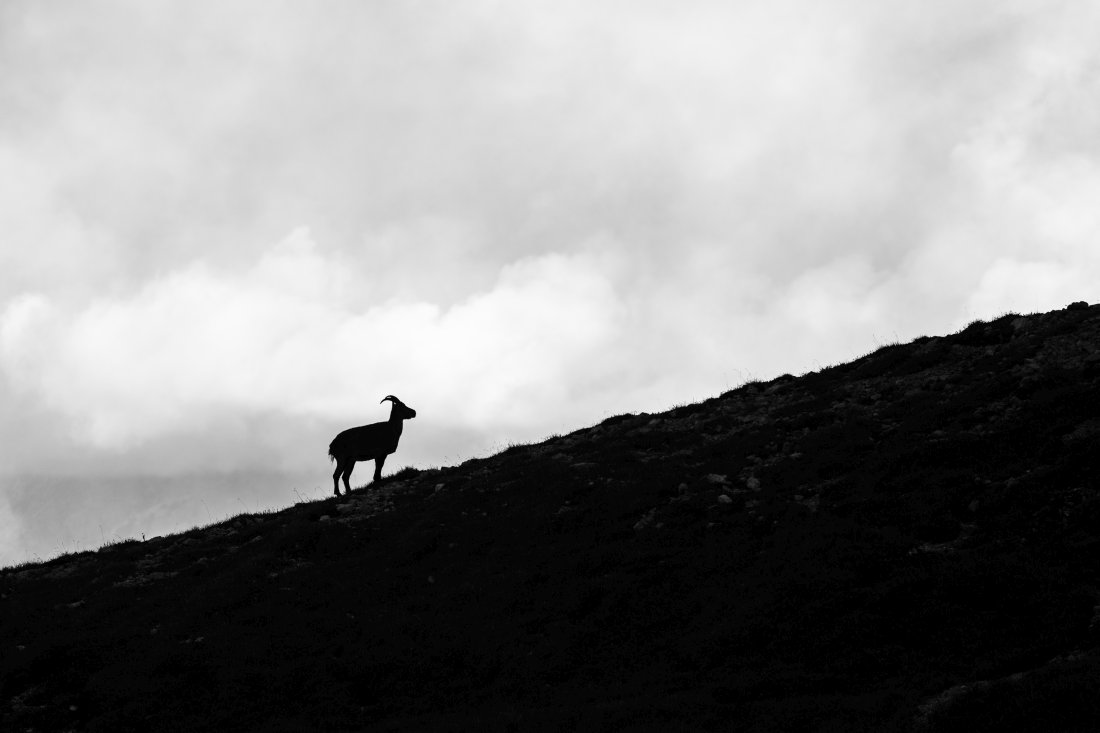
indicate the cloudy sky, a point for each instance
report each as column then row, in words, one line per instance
column 228, row 229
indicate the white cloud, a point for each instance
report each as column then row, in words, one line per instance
column 1027, row 287
column 278, row 338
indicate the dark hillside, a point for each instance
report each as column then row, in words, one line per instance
column 905, row 542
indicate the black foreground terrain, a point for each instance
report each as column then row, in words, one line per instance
column 904, row 542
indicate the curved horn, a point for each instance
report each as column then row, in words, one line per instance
column 389, row 397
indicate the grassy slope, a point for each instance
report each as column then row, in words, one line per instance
column 920, row 519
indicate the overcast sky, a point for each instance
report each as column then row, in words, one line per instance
column 229, row 228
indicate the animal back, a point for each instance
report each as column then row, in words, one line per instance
column 364, row 442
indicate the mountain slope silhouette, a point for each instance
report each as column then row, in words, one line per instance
column 908, row 541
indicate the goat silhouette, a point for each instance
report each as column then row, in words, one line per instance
column 368, row 442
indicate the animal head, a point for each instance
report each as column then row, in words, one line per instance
column 400, row 411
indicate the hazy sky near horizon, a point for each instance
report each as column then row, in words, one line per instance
column 228, row 229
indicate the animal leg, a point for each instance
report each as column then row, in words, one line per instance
column 378, row 462
column 347, row 474
column 336, row 477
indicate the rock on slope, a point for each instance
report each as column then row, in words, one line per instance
column 904, row 542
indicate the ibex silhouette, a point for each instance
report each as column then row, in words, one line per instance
column 368, row 442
